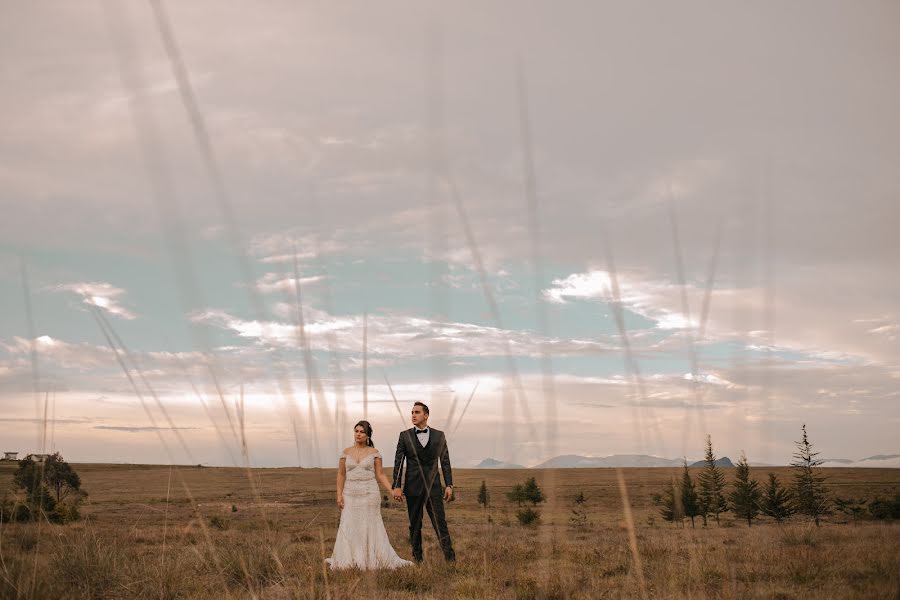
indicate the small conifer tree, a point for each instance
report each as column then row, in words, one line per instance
column 712, row 486
column 745, row 495
column 690, row 503
column 670, row 504
column 809, row 485
column 484, row 496
column 777, row 500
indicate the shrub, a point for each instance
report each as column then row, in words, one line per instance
column 852, row 507
column 578, row 520
column 66, row 512
column 885, row 509
column 528, row 517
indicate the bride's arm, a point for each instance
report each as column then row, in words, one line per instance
column 380, row 476
column 341, row 477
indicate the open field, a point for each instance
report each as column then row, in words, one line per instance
column 228, row 538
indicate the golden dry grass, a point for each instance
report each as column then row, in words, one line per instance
column 132, row 543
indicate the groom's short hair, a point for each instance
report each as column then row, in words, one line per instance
column 424, row 407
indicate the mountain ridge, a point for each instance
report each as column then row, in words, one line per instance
column 578, row 461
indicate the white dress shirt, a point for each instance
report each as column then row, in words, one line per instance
column 423, row 436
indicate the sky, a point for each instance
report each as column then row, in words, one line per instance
column 581, row 228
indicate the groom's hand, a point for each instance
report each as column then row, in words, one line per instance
column 397, row 493
column 448, row 493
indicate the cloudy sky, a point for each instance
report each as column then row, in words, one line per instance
column 614, row 227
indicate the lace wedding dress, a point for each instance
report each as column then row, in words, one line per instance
column 362, row 541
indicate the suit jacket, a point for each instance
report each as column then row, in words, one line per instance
column 422, row 463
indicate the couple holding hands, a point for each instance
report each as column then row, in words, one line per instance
column 362, row 540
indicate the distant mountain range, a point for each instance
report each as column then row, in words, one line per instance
column 879, row 461
column 490, row 463
column 881, row 457
column 723, row 462
column 575, row 461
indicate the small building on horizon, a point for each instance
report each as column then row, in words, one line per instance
column 10, row 456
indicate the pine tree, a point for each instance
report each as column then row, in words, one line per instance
column 745, row 496
column 809, row 486
column 671, row 504
column 517, row 494
column 484, row 496
column 690, row 504
column 532, row 492
column 712, row 486
column 777, row 501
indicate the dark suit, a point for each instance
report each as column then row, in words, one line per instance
column 422, row 486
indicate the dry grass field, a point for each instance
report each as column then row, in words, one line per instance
column 143, row 535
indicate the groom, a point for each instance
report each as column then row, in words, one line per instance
column 422, row 447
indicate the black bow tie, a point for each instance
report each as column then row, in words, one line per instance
column 418, row 431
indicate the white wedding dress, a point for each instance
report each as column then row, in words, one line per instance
column 362, row 540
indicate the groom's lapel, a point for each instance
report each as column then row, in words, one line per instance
column 414, row 445
column 431, row 445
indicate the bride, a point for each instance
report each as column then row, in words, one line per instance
column 362, row 541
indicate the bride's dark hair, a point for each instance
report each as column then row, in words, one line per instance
column 368, row 429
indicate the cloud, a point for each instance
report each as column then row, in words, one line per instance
column 817, row 329
column 101, row 295
column 140, row 429
column 294, row 244
column 82, row 366
column 709, row 378
column 277, row 282
column 886, row 326
column 64, row 421
column 60, row 353
column 344, row 146
column 402, row 336
column 648, row 298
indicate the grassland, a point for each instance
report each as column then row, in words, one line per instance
column 195, row 532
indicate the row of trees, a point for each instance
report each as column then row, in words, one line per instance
column 746, row 499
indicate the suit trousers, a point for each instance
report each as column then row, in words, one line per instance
column 434, row 504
